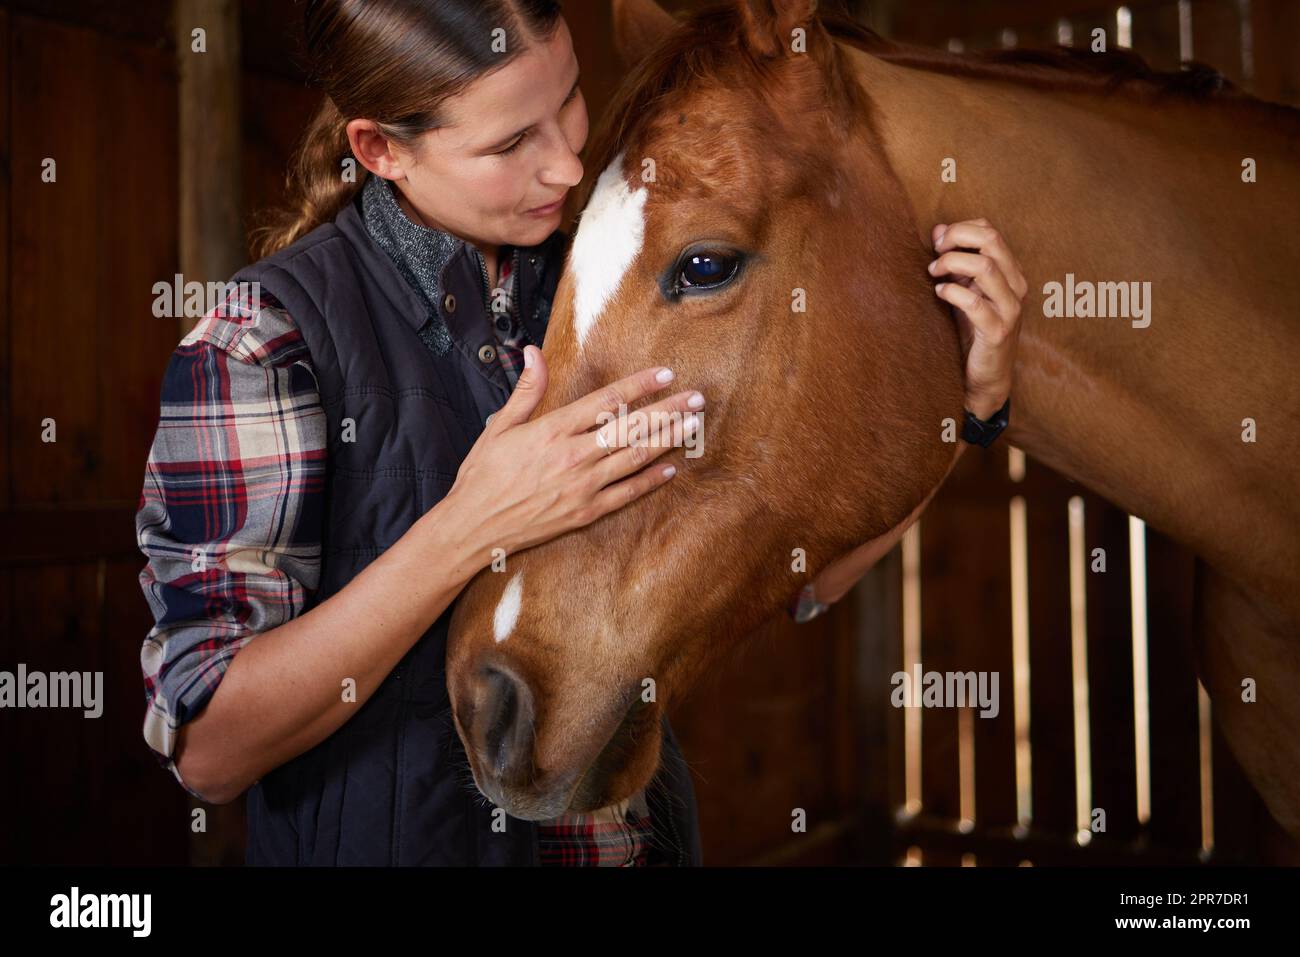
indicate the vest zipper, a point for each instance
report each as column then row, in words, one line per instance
column 487, row 288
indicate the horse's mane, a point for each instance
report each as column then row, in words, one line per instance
column 708, row 42
column 1059, row 67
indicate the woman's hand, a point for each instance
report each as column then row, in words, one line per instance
column 526, row 482
column 983, row 283
column 985, row 289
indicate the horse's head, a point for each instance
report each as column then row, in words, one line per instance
column 745, row 230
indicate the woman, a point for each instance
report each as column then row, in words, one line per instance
column 322, row 476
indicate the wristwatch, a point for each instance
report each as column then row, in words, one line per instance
column 804, row 607
column 982, row 432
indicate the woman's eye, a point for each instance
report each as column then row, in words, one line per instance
column 707, row 270
column 512, row 147
column 573, row 95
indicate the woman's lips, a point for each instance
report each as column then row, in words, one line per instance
column 548, row 209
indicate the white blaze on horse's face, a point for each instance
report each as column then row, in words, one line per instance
column 609, row 236
column 507, row 613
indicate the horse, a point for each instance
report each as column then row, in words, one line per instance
column 803, row 159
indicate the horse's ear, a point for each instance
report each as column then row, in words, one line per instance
column 769, row 26
column 638, row 26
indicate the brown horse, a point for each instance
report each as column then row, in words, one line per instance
column 761, row 225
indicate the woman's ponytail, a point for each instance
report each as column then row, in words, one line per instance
column 317, row 185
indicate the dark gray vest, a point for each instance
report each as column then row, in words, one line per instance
column 392, row 785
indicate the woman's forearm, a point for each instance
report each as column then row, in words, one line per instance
column 283, row 692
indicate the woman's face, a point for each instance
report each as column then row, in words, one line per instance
column 511, row 144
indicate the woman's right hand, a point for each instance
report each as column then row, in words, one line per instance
column 527, row 482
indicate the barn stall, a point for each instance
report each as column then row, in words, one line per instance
column 1102, row 708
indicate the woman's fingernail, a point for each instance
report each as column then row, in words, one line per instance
column 664, row 375
column 690, row 422
column 695, row 401
column 939, row 286
column 941, row 235
column 670, row 471
column 528, row 358
column 932, row 266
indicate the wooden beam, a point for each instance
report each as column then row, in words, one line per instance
column 211, row 234
column 211, row 239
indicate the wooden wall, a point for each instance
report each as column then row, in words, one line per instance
column 93, row 85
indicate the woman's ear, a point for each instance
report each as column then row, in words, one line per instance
column 373, row 149
column 639, row 25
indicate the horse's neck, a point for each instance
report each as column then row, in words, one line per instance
column 1113, row 191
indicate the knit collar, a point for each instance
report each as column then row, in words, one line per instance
column 420, row 253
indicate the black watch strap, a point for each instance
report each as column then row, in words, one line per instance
column 982, row 432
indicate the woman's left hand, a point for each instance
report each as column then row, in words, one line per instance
column 986, row 289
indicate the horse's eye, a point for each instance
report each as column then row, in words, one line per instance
column 707, row 270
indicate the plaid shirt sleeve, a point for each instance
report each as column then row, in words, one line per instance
column 231, row 508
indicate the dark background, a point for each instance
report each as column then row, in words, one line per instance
column 801, row 720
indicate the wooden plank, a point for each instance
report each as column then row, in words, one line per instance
column 1239, row 812
column 987, row 539
column 140, row 23
column 56, row 629
column 272, row 41
column 51, row 64
column 879, row 644
column 1155, row 35
column 1175, row 743
column 1051, row 716
column 12, row 796
column 67, row 534
column 133, row 253
column 1216, row 36
column 945, row 574
column 274, row 115
column 9, row 795
column 931, row 23
column 6, row 306
column 1110, row 672
column 1275, row 40
column 211, row 234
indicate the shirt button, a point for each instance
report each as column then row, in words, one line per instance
column 486, row 354
column 503, row 323
column 449, row 302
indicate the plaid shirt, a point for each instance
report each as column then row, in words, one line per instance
column 230, row 520
column 509, row 331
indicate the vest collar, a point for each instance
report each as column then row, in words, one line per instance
column 420, row 254
column 428, row 259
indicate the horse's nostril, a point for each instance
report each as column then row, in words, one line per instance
column 502, row 726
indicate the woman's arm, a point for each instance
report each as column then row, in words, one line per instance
column 283, row 693
column 985, row 289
